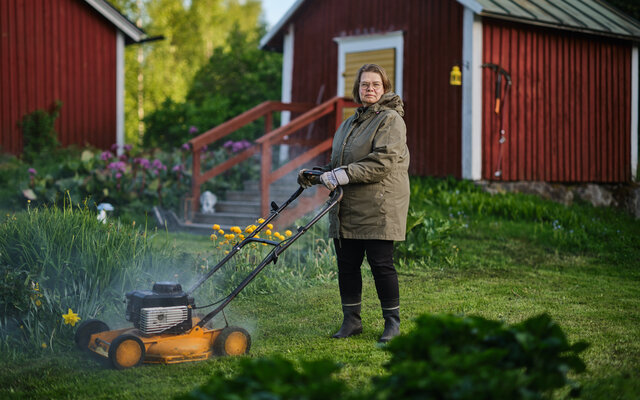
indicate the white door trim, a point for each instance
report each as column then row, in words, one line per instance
column 471, row 96
column 353, row 44
column 634, row 112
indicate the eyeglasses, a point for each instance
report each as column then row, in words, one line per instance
column 374, row 85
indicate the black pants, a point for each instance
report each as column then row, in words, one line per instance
column 350, row 254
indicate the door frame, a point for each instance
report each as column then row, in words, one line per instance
column 353, row 44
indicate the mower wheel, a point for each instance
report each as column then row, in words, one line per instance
column 86, row 329
column 232, row 341
column 126, row 351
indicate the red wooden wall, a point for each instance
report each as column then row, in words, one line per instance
column 567, row 117
column 57, row 50
column 432, row 45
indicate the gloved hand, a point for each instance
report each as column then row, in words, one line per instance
column 334, row 178
column 304, row 180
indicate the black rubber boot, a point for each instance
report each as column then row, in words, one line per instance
column 391, row 324
column 351, row 324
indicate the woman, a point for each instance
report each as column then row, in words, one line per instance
column 370, row 159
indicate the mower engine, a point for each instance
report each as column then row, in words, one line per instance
column 166, row 308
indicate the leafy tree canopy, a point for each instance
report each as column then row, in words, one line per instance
column 162, row 71
column 237, row 77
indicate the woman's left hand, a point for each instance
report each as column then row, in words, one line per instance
column 334, row 178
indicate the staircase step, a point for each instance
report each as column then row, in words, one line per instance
column 225, row 219
column 238, row 207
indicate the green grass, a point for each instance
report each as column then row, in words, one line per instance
column 507, row 268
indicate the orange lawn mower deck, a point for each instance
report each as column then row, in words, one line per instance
column 165, row 331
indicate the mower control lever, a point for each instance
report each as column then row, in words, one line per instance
column 313, row 175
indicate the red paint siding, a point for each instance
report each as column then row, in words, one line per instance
column 567, row 118
column 57, row 50
column 432, row 45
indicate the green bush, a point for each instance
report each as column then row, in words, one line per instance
column 444, row 357
column 429, row 239
column 450, row 357
column 274, row 378
column 55, row 259
column 38, row 132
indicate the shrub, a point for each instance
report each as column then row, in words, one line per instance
column 450, row 357
column 444, row 357
column 38, row 132
column 429, row 239
column 274, row 378
column 55, row 259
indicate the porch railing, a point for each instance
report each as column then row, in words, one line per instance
column 264, row 144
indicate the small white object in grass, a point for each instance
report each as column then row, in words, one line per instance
column 102, row 211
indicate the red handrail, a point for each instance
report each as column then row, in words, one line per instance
column 263, row 144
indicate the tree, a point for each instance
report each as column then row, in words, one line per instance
column 237, row 77
column 161, row 72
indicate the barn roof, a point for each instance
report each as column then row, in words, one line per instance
column 590, row 16
column 122, row 23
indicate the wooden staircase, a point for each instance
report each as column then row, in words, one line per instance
column 244, row 207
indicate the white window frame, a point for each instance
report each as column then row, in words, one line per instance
column 354, row 44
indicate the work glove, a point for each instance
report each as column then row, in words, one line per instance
column 305, row 180
column 334, row 178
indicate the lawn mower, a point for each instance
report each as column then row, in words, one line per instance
column 165, row 328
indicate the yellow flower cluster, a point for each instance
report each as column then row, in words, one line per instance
column 36, row 295
column 237, row 233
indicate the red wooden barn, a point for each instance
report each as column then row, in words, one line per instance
column 67, row 50
column 569, row 115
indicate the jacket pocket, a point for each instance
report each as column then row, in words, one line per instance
column 366, row 205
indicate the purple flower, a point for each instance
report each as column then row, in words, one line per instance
column 118, row 166
column 127, row 147
column 106, row 155
column 177, row 168
column 32, row 171
column 114, row 147
column 193, row 130
column 143, row 162
column 158, row 165
column 228, row 144
column 186, row 146
column 239, row 146
column 118, row 175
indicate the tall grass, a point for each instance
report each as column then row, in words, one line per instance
column 53, row 259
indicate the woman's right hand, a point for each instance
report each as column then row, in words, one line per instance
column 305, row 179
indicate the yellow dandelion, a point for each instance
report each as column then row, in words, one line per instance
column 288, row 233
column 38, row 303
column 43, row 345
column 270, row 226
column 232, row 236
column 240, row 236
column 260, row 220
column 226, row 252
column 268, row 232
column 70, row 318
column 257, row 236
column 235, row 229
column 213, row 237
column 249, row 229
column 220, row 231
column 216, row 227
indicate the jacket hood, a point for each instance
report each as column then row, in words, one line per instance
column 388, row 101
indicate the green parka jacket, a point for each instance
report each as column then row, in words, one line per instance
column 372, row 147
